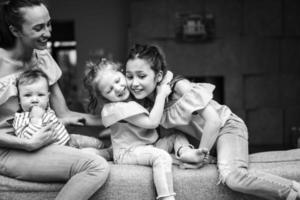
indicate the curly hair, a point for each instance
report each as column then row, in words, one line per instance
column 94, row 69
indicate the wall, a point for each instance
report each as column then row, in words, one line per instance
column 256, row 49
column 99, row 24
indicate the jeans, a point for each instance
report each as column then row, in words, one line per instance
column 85, row 173
column 83, row 141
column 160, row 161
column 232, row 150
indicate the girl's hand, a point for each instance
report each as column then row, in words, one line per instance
column 167, row 78
column 73, row 118
column 163, row 90
column 42, row 138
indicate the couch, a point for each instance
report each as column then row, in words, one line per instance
column 128, row 182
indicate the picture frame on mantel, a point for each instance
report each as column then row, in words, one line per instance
column 195, row 27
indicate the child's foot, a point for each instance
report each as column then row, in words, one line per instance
column 191, row 165
column 296, row 186
column 211, row 160
column 189, row 155
column 175, row 160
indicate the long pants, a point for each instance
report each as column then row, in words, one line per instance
column 83, row 173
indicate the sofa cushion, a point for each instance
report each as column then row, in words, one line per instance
column 136, row 182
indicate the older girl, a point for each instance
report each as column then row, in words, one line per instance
column 192, row 110
column 25, row 28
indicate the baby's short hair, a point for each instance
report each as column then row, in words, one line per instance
column 30, row 76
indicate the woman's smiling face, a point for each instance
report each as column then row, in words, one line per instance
column 141, row 79
column 36, row 28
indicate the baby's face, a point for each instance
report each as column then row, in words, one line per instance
column 112, row 85
column 34, row 94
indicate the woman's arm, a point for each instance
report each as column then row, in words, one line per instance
column 43, row 137
column 67, row 116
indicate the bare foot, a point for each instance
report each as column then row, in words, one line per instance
column 211, row 160
column 175, row 160
column 296, row 186
column 191, row 165
column 189, row 155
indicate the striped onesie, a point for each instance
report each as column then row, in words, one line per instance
column 24, row 128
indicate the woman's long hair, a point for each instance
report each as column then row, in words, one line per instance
column 10, row 15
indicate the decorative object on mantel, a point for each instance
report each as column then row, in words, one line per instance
column 195, row 27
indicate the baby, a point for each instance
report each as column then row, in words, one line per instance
column 33, row 87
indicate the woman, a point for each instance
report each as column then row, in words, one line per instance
column 192, row 110
column 24, row 31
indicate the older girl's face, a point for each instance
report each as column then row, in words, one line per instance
column 141, row 79
column 36, row 28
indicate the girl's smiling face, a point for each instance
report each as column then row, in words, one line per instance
column 141, row 79
column 112, row 85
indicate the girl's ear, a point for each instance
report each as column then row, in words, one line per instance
column 159, row 76
column 14, row 31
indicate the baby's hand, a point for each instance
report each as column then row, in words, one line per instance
column 163, row 89
column 37, row 112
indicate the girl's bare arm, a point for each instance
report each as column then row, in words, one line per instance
column 211, row 127
column 67, row 116
column 152, row 120
column 212, row 120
